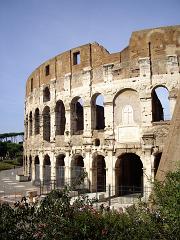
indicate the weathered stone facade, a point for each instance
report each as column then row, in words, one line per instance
column 117, row 137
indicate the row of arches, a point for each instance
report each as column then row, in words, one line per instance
column 128, row 172
column 126, row 112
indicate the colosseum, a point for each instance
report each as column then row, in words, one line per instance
column 106, row 114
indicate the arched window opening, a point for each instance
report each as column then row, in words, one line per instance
column 37, row 170
column 30, row 124
column 60, row 119
column 46, row 124
column 160, row 104
column 128, row 174
column 37, row 122
column 77, row 169
column 30, row 166
column 97, row 142
column 47, row 170
column 77, row 116
column 156, row 163
column 99, row 174
column 46, row 94
column 97, row 112
column 26, row 126
column 127, row 115
column 60, row 170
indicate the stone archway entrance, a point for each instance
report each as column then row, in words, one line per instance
column 36, row 169
column 128, row 174
column 99, row 174
column 60, row 170
column 47, row 170
column 77, row 169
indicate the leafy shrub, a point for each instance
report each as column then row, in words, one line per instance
column 57, row 218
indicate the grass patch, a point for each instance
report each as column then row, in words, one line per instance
column 8, row 164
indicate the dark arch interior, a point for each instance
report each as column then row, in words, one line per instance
column 37, row 170
column 129, row 174
column 97, row 112
column 99, row 174
column 60, row 160
column 46, row 94
column 77, row 116
column 60, row 170
column 36, row 161
column 47, row 170
column 60, row 119
column 97, row 142
column 46, row 124
column 37, row 121
column 30, row 124
column 47, row 160
column 77, row 168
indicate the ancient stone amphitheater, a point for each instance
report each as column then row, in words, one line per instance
column 107, row 114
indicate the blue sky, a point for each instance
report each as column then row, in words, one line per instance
column 32, row 31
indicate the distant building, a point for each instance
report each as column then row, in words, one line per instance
column 89, row 110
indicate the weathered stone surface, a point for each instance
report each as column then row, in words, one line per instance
column 104, row 143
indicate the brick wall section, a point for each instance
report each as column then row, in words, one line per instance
column 162, row 41
column 170, row 159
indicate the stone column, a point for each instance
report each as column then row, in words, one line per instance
column 148, row 143
column 87, row 166
column 108, row 114
column 53, row 169
column 110, row 178
column 146, row 109
column 67, row 133
column 52, row 122
column 67, row 162
column 33, row 170
column 87, row 133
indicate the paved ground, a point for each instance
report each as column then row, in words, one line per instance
column 10, row 188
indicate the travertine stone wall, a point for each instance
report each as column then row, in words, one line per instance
column 126, row 80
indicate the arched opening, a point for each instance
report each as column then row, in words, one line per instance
column 46, row 124
column 30, row 124
column 156, row 162
column 60, row 170
column 26, row 126
column 97, row 112
column 30, row 166
column 47, row 170
column 46, row 94
column 37, row 169
column 97, row 142
column 77, row 169
column 37, row 121
column 99, row 174
column 160, row 104
column 128, row 174
column 60, row 119
column 77, row 116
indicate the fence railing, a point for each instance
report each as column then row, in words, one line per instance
column 111, row 195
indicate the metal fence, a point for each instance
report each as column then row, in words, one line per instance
column 110, row 195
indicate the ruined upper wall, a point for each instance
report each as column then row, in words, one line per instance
column 156, row 44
